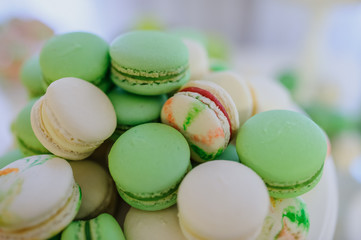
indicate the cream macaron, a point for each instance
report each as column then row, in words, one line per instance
column 198, row 59
column 155, row 225
column 238, row 89
column 97, row 187
column 38, row 197
column 73, row 118
column 222, row 199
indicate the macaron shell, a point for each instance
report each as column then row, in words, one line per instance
column 239, row 193
column 82, row 109
column 238, row 89
column 10, row 156
column 158, row 225
column 293, row 150
column 198, row 59
column 147, row 163
column 287, row 219
column 149, row 51
column 76, row 54
column 31, row 77
column 103, row 227
column 198, row 123
column 98, row 190
column 132, row 109
column 223, row 97
column 25, row 180
column 271, row 95
column 25, row 137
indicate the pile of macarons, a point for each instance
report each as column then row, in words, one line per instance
column 143, row 139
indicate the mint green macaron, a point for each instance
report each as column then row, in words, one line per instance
column 285, row 148
column 148, row 163
column 32, row 78
column 24, row 135
column 10, row 156
column 75, row 54
column 132, row 109
column 149, row 62
column 103, row 227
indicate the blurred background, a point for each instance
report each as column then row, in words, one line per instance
column 311, row 47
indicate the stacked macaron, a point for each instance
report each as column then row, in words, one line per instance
column 147, row 108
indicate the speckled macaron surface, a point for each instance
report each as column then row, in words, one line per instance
column 286, row 148
column 149, row 62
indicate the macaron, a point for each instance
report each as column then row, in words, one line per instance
column 103, row 227
column 98, row 190
column 148, row 163
column 132, row 109
column 286, row 219
column 157, row 225
column 73, row 118
column 32, row 78
column 206, row 115
column 149, row 62
column 238, row 89
column 286, row 148
column 229, row 154
column 10, row 157
column 24, row 135
column 198, row 59
column 75, row 54
column 269, row 94
column 38, row 197
column 222, row 199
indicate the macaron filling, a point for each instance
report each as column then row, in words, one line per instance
column 210, row 96
column 49, row 128
column 308, row 183
column 148, row 77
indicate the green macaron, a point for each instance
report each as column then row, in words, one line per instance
column 75, row 54
column 148, row 163
column 132, row 109
column 24, row 135
column 285, row 148
column 149, row 62
column 31, row 77
column 103, row 227
column 10, row 157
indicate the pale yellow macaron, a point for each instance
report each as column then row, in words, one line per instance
column 238, row 89
column 73, row 118
column 198, row 59
column 153, row 225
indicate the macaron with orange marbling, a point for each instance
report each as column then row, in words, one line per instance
column 206, row 115
column 38, row 197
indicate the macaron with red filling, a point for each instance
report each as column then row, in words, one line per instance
column 206, row 115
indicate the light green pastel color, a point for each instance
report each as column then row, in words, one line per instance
column 26, row 140
column 103, row 227
column 230, row 153
column 10, row 157
column 132, row 109
column 75, row 54
column 31, row 77
column 149, row 62
column 285, row 148
column 148, row 163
